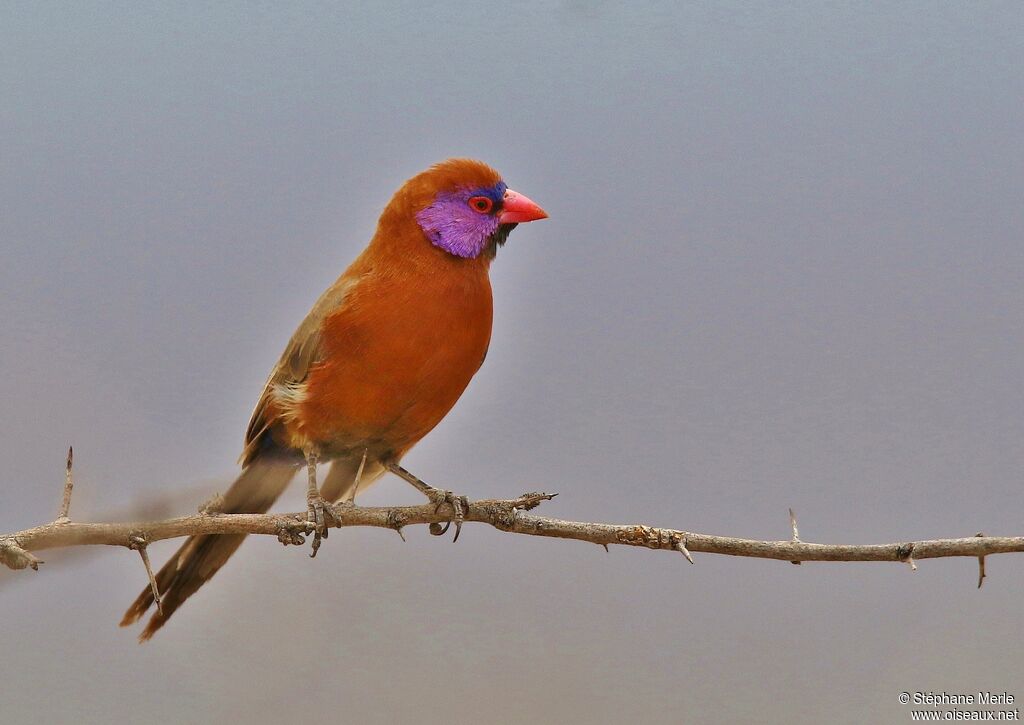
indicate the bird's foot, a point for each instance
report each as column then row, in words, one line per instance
column 321, row 516
column 440, row 498
column 459, row 504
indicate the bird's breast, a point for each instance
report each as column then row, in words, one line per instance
column 395, row 360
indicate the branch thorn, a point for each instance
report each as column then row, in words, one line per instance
column 981, row 566
column 680, row 546
column 397, row 522
column 69, row 483
column 138, row 543
column 906, row 555
column 796, row 532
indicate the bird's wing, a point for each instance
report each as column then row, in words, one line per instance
column 300, row 355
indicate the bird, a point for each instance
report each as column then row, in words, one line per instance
column 380, row 359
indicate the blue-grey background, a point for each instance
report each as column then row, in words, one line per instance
column 783, row 268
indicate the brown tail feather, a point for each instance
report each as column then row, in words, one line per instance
column 199, row 558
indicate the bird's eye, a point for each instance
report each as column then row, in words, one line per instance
column 482, row 204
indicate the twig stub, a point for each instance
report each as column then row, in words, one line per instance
column 69, row 483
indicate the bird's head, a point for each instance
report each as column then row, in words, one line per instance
column 464, row 208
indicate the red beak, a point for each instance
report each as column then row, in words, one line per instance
column 517, row 208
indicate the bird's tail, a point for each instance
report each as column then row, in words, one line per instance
column 199, row 558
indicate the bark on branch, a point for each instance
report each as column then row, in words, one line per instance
column 509, row 515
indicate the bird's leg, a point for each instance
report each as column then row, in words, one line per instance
column 351, row 500
column 319, row 512
column 439, row 497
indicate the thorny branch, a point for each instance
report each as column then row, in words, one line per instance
column 509, row 515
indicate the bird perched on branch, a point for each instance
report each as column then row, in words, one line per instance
column 377, row 363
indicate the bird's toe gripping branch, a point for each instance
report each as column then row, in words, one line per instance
column 459, row 504
column 440, row 498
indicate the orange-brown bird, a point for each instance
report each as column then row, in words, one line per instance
column 377, row 363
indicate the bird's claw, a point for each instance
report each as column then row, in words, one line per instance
column 459, row 504
column 322, row 517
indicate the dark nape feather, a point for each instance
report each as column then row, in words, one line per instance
column 200, row 557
